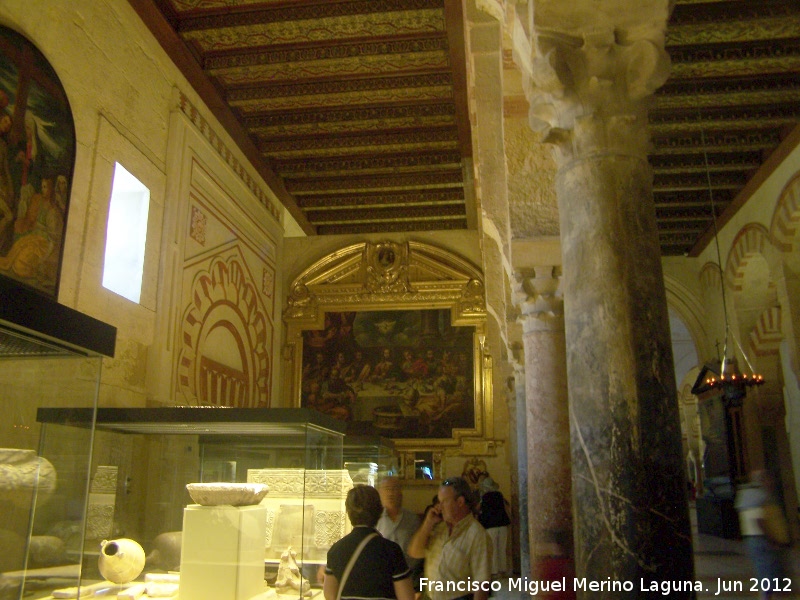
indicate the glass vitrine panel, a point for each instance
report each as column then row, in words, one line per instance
column 143, row 460
column 43, row 485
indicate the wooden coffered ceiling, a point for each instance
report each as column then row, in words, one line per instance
column 356, row 111
column 358, row 107
column 733, row 95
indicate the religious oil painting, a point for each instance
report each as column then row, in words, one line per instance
column 395, row 373
column 37, row 154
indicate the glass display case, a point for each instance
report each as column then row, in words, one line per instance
column 368, row 458
column 50, row 355
column 142, row 461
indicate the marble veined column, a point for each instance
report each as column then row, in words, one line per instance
column 548, row 457
column 632, row 530
column 629, row 483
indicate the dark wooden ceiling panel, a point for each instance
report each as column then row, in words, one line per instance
column 732, row 97
column 358, row 108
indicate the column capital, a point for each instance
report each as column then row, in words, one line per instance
column 586, row 87
column 538, row 295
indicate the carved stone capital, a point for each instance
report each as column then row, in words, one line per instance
column 539, row 296
column 586, row 88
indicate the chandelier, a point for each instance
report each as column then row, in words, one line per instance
column 730, row 379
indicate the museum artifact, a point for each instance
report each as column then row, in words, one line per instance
column 121, row 560
column 166, row 552
column 22, row 471
column 289, row 577
column 222, row 493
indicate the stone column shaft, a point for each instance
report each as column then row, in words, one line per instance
column 629, row 484
column 522, row 469
column 592, row 68
column 549, row 495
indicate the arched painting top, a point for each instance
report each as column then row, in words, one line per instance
column 389, row 337
column 37, row 157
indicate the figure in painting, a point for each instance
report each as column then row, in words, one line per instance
column 315, row 372
column 407, row 386
column 358, row 370
column 30, row 158
column 37, row 234
column 384, row 369
column 337, row 397
column 8, row 203
column 37, row 151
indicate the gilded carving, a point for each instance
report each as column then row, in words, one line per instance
column 435, row 109
column 387, row 268
column 472, row 298
column 401, row 140
column 384, row 227
column 296, row 89
column 229, row 29
column 337, row 52
column 398, row 278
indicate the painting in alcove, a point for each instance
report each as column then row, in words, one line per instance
column 398, row 373
column 37, row 154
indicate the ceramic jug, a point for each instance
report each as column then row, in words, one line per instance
column 121, row 561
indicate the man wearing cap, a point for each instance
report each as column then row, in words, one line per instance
column 456, row 548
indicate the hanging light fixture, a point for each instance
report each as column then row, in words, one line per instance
column 732, row 381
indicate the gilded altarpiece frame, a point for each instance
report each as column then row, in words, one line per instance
column 395, row 303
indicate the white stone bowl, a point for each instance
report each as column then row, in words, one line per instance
column 233, row 494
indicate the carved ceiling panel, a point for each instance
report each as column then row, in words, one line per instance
column 356, row 111
column 358, row 107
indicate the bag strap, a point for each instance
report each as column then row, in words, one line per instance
column 352, row 561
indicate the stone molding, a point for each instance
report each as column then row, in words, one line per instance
column 207, row 131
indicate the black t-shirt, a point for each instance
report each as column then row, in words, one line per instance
column 379, row 565
column 493, row 511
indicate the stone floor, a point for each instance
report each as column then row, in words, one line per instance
column 725, row 560
column 718, row 563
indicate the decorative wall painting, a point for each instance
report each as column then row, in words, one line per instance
column 394, row 373
column 37, row 155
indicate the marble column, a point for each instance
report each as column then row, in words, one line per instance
column 548, row 457
column 522, row 468
column 628, row 482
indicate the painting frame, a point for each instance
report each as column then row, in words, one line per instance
column 37, row 160
column 408, row 279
